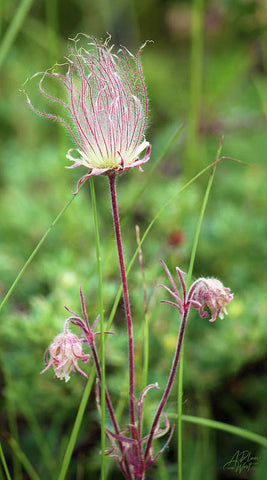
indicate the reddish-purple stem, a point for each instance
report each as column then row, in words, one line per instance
column 108, row 401
column 109, row 405
column 170, row 380
column 126, row 299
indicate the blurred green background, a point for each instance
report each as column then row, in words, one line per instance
column 206, row 76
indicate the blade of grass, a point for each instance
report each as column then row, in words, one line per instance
column 188, row 282
column 196, row 75
column 25, row 462
column 240, row 432
column 3, row 460
column 163, row 471
column 76, row 427
column 102, row 329
column 145, row 324
column 35, row 251
column 147, row 179
column 13, row 29
column 11, row 416
column 48, row 459
column 51, row 10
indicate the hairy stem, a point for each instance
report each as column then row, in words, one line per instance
column 170, row 381
column 126, row 298
column 110, row 408
column 108, row 401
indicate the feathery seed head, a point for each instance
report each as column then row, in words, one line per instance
column 106, row 101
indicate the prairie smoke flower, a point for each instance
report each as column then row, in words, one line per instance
column 64, row 352
column 210, row 293
column 107, row 102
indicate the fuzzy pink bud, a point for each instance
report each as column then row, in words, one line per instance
column 210, row 293
column 64, row 353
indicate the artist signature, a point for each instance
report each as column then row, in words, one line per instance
column 240, row 461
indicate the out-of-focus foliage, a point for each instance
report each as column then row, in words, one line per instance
column 225, row 362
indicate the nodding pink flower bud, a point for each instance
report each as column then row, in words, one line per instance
column 65, row 351
column 210, row 293
column 107, row 102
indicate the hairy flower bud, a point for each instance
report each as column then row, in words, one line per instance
column 64, row 352
column 209, row 293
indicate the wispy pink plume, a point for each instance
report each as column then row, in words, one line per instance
column 106, row 101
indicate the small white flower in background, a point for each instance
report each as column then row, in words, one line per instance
column 63, row 355
column 210, row 293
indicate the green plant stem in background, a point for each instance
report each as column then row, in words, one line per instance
column 102, row 328
column 188, row 283
column 3, row 460
column 145, row 327
column 147, row 179
column 35, row 251
column 76, row 427
column 11, row 416
column 13, row 28
column 48, row 458
column 51, row 7
column 25, row 462
column 196, row 74
column 240, row 432
column 146, row 348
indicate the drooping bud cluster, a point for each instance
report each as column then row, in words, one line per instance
column 209, row 293
column 66, row 349
column 63, row 355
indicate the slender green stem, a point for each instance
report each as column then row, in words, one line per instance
column 11, row 416
column 240, row 432
column 147, row 179
column 146, row 349
column 188, row 282
column 48, row 459
column 3, row 460
column 76, row 427
column 145, row 326
column 201, row 216
column 35, row 251
column 13, row 28
column 101, row 309
column 51, row 7
column 196, row 75
column 25, row 462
